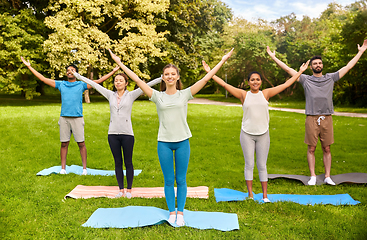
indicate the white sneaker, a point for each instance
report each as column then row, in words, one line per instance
column 128, row 194
column 63, row 171
column 84, row 171
column 180, row 220
column 329, row 181
column 312, row 181
column 266, row 200
column 120, row 194
column 172, row 218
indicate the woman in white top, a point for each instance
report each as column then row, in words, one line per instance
column 173, row 131
column 120, row 131
column 255, row 123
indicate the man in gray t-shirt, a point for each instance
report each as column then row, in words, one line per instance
column 318, row 90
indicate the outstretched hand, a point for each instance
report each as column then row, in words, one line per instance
column 304, row 66
column 116, row 68
column 228, row 55
column 206, row 66
column 271, row 54
column 364, row 46
column 114, row 57
column 27, row 63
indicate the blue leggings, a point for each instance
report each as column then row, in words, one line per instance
column 182, row 156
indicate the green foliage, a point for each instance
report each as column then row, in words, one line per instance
column 21, row 35
column 353, row 89
column 149, row 34
column 190, row 24
column 84, row 30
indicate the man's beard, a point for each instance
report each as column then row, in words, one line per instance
column 318, row 70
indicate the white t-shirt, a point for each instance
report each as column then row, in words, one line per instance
column 172, row 114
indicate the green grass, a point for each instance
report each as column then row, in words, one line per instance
column 281, row 103
column 33, row 207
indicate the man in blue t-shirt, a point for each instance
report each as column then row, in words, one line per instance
column 71, row 118
column 318, row 90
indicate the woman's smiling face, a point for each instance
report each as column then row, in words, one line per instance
column 255, row 82
column 170, row 76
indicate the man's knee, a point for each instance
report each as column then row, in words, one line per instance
column 64, row 144
column 326, row 149
column 81, row 144
column 311, row 149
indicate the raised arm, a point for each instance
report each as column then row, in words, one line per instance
column 107, row 76
column 281, row 64
column 201, row 83
column 354, row 60
column 94, row 84
column 137, row 92
column 270, row 92
column 48, row 81
column 236, row 92
column 143, row 86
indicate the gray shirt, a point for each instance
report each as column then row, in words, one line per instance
column 172, row 114
column 319, row 93
column 120, row 119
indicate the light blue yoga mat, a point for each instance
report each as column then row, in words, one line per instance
column 79, row 170
column 225, row 194
column 141, row 216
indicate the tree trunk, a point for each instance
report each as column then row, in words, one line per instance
column 90, row 76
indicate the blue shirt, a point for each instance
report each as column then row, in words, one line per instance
column 71, row 97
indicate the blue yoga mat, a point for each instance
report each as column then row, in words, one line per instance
column 79, row 170
column 141, row 216
column 225, row 195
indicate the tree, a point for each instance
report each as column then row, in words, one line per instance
column 191, row 25
column 353, row 89
column 21, row 35
column 84, row 30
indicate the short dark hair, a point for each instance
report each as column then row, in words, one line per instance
column 178, row 83
column 72, row 65
column 314, row 58
column 254, row 72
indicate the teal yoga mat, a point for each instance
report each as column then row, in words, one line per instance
column 79, row 170
column 141, row 216
column 225, row 195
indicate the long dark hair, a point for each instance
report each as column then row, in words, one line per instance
column 178, row 83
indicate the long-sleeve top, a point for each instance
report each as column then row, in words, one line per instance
column 120, row 119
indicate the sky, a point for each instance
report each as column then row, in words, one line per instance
column 271, row 10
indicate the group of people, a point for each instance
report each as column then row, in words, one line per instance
column 173, row 135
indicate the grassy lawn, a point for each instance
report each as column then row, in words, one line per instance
column 281, row 103
column 33, row 207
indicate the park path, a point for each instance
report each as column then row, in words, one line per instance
column 211, row 102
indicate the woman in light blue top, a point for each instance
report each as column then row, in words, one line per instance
column 174, row 132
column 254, row 135
column 120, row 131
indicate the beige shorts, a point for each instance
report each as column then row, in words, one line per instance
column 319, row 126
column 71, row 125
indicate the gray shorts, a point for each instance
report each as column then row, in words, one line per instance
column 71, row 125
